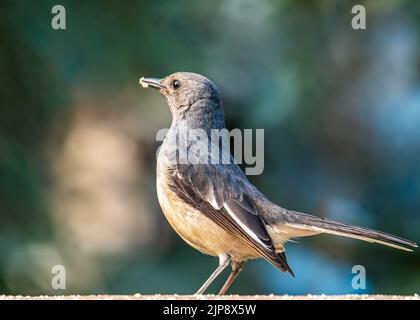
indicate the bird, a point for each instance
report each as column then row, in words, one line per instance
column 209, row 201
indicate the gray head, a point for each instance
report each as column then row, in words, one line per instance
column 191, row 97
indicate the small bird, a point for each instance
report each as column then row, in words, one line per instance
column 211, row 204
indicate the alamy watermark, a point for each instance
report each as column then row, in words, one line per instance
column 358, row 22
column 198, row 146
column 58, row 281
column 358, row 281
column 58, row 22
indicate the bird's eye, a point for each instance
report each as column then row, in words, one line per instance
column 175, row 84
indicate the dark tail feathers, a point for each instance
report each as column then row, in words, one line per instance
column 315, row 224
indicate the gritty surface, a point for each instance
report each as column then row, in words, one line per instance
column 213, row 297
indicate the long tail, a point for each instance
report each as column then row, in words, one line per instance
column 304, row 225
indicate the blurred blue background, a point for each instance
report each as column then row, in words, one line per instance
column 340, row 109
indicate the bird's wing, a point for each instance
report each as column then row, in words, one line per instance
column 219, row 193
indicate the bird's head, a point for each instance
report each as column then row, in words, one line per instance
column 189, row 95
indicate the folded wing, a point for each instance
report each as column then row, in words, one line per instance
column 220, row 194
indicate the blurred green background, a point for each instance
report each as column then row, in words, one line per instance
column 340, row 109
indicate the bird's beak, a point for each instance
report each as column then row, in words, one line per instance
column 151, row 82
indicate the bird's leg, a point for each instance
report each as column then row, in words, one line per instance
column 236, row 268
column 224, row 261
